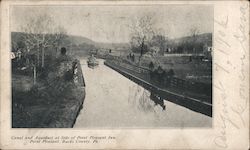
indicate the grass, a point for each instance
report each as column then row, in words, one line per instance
column 52, row 102
column 195, row 69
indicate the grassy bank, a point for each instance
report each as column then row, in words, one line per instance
column 54, row 101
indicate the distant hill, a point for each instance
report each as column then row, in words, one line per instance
column 190, row 44
column 79, row 41
column 83, row 44
column 114, row 46
column 200, row 38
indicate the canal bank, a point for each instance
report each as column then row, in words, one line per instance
column 193, row 103
column 52, row 102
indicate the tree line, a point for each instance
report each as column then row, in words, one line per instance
column 147, row 38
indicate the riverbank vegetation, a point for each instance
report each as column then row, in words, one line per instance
column 47, row 88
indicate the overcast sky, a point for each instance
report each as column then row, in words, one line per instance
column 111, row 23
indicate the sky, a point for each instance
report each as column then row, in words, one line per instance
column 112, row 24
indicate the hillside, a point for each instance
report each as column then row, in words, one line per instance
column 189, row 43
column 201, row 38
column 76, row 41
column 79, row 44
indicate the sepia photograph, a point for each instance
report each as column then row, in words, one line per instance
column 112, row 66
column 124, row 74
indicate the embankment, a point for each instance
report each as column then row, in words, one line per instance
column 199, row 104
column 53, row 102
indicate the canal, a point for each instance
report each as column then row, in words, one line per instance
column 112, row 100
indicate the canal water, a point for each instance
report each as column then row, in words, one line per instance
column 112, row 100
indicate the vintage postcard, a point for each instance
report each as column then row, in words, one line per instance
column 124, row 75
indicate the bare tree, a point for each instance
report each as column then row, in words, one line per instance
column 41, row 33
column 142, row 32
column 159, row 40
column 194, row 31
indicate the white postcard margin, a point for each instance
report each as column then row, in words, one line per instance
column 230, row 91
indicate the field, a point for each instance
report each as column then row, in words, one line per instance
column 192, row 68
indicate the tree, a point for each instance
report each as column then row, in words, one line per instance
column 142, row 33
column 193, row 33
column 160, row 41
column 41, row 33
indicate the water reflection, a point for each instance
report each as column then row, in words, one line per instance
column 145, row 100
column 112, row 100
column 140, row 99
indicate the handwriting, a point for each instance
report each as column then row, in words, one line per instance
column 241, row 37
column 221, row 140
column 240, row 106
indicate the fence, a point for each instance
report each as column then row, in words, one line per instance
column 192, row 86
column 129, row 65
column 164, row 79
column 197, row 103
